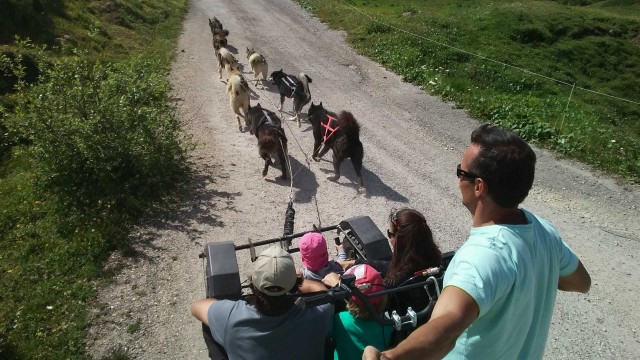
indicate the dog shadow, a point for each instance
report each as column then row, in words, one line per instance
column 232, row 49
column 303, row 180
column 304, row 119
column 373, row 185
column 269, row 86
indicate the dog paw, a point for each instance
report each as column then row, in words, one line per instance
column 264, row 173
column 293, row 118
column 361, row 190
column 333, row 178
column 282, row 177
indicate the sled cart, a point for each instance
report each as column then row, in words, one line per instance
column 361, row 239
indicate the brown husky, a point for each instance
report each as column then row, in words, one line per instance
column 267, row 127
column 219, row 34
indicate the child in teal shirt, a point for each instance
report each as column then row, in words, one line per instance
column 356, row 328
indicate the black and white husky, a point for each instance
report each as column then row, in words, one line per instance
column 293, row 87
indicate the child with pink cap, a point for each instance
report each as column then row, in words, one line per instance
column 356, row 328
column 315, row 257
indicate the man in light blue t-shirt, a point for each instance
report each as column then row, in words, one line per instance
column 500, row 287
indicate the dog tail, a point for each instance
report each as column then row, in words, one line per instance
column 268, row 142
column 349, row 125
column 305, row 82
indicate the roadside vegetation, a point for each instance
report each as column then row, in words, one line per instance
column 564, row 74
column 88, row 144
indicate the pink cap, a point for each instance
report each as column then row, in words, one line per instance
column 313, row 251
column 368, row 281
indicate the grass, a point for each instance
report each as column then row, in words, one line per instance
column 515, row 64
column 54, row 239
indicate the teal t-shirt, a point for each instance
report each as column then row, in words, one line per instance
column 352, row 335
column 512, row 272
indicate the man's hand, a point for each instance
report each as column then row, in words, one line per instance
column 311, row 286
column 347, row 264
column 371, row 353
column 331, row 280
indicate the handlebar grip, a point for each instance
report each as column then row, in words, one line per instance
column 318, row 300
column 330, row 296
column 408, row 321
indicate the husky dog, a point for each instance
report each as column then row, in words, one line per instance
column 219, row 34
column 238, row 90
column 258, row 65
column 293, row 87
column 267, row 127
column 340, row 133
column 226, row 60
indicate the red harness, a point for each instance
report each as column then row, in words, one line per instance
column 328, row 130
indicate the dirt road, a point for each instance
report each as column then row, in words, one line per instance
column 413, row 143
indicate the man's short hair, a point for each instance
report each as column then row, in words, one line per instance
column 505, row 162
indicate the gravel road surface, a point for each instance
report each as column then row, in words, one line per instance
column 412, row 142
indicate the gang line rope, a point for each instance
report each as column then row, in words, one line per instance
column 263, row 94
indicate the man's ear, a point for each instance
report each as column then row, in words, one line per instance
column 480, row 187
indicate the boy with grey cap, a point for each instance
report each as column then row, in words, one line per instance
column 270, row 324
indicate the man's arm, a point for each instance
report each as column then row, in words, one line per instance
column 200, row 309
column 311, row 286
column 578, row 281
column 455, row 310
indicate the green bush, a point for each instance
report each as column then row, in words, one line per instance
column 101, row 132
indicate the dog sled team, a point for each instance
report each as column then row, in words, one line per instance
column 339, row 133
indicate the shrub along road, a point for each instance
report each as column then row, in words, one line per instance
column 412, row 144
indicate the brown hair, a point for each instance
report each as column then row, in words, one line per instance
column 270, row 305
column 413, row 248
column 362, row 312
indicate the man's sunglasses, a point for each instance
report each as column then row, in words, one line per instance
column 469, row 175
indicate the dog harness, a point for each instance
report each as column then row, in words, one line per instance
column 290, row 82
column 328, row 130
column 265, row 119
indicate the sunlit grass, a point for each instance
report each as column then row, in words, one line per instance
column 53, row 241
column 555, row 72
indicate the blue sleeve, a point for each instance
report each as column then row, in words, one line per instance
column 568, row 260
column 218, row 316
column 482, row 273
